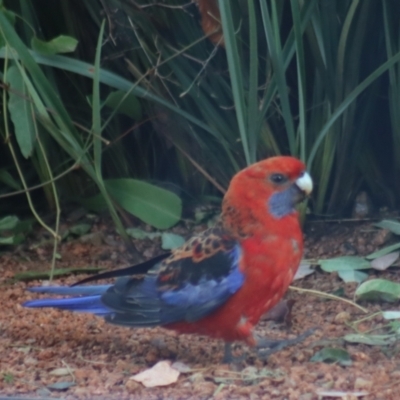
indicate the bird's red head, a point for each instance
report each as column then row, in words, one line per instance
column 267, row 190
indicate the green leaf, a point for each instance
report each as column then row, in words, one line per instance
column 33, row 275
column 80, row 229
column 9, row 240
column 332, row 355
column 383, row 252
column 60, row 44
column 395, row 326
column 391, row 314
column 344, row 263
column 95, row 203
column 171, row 241
column 153, row 205
column 392, row 226
column 8, row 223
column 124, row 103
column 11, row 19
column 140, row 234
column 372, row 340
column 21, row 112
column 351, row 275
column 23, row 226
column 378, row 289
column 8, row 180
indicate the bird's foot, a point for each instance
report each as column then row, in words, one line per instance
column 229, row 358
column 266, row 347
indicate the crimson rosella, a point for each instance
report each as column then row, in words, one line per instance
column 221, row 281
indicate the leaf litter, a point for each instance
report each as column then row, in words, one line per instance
column 102, row 357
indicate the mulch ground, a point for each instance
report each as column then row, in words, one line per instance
column 94, row 360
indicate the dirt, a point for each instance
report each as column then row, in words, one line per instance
column 95, row 360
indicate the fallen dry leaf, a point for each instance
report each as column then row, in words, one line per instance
column 384, row 262
column 161, row 374
column 303, row 271
column 181, row 367
column 60, row 372
column 340, row 393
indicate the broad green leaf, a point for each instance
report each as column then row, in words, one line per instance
column 60, row 44
column 9, row 240
column 138, row 233
column 80, row 229
column 378, row 289
column 21, row 112
column 384, row 251
column 153, row 205
column 171, row 241
column 123, row 103
column 392, row 226
column 11, row 19
column 8, row 180
column 391, row 314
column 32, row 275
column 23, row 227
column 395, row 326
column 372, row 340
column 344, row 263
column 94, row 203
column 352, row 275
column 8, row 223
column 332, row 355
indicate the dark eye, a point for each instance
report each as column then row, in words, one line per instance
column 278, row 178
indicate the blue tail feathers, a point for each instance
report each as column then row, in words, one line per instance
column 88, row 299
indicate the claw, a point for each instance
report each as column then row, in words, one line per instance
column 229, row 358
column 269, row 346
column 274, row 346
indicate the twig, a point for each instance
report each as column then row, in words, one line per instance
column 328, row 296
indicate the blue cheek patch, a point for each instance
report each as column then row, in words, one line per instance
column 282, row 203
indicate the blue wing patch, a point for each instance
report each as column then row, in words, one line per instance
column 178, row 291
column 194, row 301
column 188, row 285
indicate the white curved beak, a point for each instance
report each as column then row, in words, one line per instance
column 305, row 183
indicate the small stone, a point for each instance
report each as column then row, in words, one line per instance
column 363, row 206
column 204, row 389
column 328, row 385
column 342, row 317
column 306, row 396
column 132, row 386
column 362, row 384
column 360, row 356
column 197, row 377
column 382, row 236
column 278, row 379
column 30, row 361
column 151, row 357
column 95, row 238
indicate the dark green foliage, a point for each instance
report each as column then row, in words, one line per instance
column 163, row 103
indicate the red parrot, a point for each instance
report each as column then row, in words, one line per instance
column 221, row 281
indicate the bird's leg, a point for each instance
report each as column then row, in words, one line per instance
column 228, row 356
column 266, row 347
